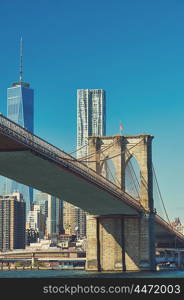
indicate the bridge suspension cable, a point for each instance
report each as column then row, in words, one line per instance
column 130, row 169
column 78, row 149
column 133, row 175
column 114, row 178
column 85, row 158
column 107, row 158
column 110, row 157
column 160, row 195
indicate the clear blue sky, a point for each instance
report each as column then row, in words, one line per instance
column 132, row 49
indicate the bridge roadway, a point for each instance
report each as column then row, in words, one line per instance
column 32, row 161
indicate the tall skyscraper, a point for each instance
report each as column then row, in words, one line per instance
column 91, row 121
column 12, row 222
column 20, row 109
column 91, row 117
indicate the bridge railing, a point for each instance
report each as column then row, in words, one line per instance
column 34, row 142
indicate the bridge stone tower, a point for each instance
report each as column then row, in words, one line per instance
column 123, row 242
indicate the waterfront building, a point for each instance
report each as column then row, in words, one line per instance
column 20, row 109
column 12, row 222
column 32, row 235
column 91, row 121
column 55, row 216
column 67, row 241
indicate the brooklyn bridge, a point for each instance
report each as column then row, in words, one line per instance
column 124, row 228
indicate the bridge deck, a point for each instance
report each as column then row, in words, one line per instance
column 32, row 161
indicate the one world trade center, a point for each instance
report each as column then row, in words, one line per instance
column 20, row 109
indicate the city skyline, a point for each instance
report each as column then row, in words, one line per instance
column 134, row 51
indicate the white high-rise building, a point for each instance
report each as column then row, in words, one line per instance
column 91, row 121
column 91, row 117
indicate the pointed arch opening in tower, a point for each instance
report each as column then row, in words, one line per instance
column 132, row 178
column 108, row 170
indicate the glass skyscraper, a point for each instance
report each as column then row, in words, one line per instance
column 20, row 106
column 55, row 216
column 20, row 109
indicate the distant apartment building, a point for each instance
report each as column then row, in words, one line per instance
column 70, row 218
column 41, row 199
column 12, row 221
column 91, row 121
column 55, row 216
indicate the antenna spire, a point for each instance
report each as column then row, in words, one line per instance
column 21, row 60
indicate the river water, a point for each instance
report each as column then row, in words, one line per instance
column 83, row 274
column 59, row 283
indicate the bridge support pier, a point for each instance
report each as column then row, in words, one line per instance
column 120, row 243
column 123, row 242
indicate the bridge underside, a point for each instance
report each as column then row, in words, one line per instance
column 33, row 169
